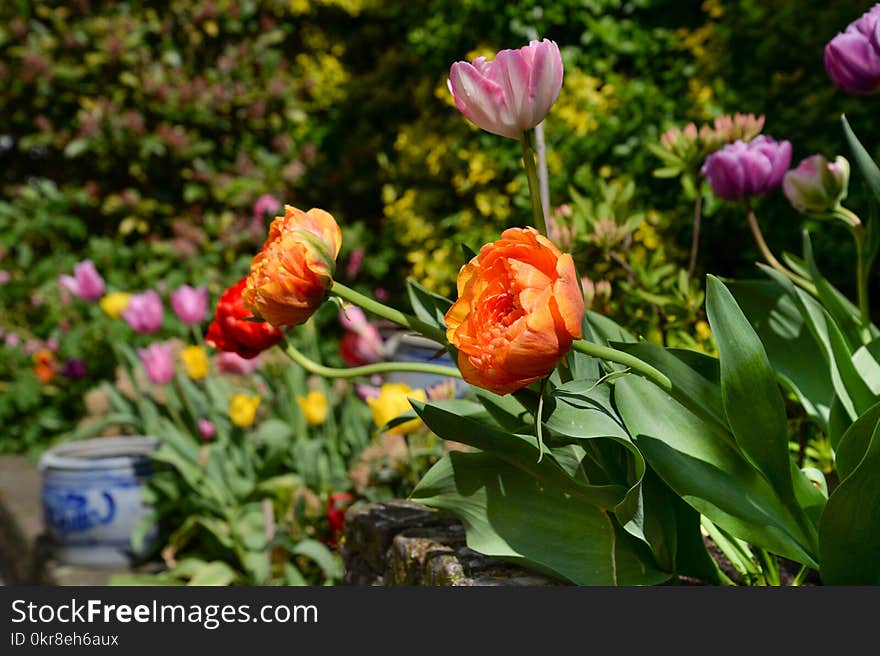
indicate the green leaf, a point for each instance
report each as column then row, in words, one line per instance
column 606, row 330
column 849, row 535
column 511, row 515
column 854, row 443
column 842, row 312
column 752, row 401
column 795, row 357
column 322, row 557
column 214, row 573
column 428, row 306
column 864, row 161
column 867, row 362
column 705, row 468
column 519, row 450
column 705, row 391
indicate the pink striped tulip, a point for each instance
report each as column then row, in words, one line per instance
column 513, row 92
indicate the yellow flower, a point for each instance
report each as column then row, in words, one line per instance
column 115, row 303
column 195, row 361
column 243, row 409
column 393, row 402
column 314, row 407
column 704, row 332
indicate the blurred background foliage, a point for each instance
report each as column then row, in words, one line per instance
column 141, row 135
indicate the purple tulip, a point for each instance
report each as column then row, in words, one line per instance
column 85, row 283
column 190, row 304
column 144, row 312
column 74, row 369
column 743, row 170
column 513, row 92
column 852, row 58
column 229, row 362
column 158, row 360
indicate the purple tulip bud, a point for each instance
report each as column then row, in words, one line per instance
column 513, row 92
column 817, row 186
column 74, row 369
column 158, row 360
column 144, row 312
column 190, row 304
column 852, row 58
column 744, row 170
column 85, row 283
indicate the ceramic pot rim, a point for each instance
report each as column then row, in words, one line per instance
column 98, row 453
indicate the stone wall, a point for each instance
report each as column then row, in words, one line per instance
column 404, row 543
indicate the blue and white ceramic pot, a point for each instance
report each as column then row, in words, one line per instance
column 92, row 499
column 405, row 347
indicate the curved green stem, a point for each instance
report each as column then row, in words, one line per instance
column 768, row 254
column 367, row 370
column 532, row 176
column 613, row 355
column 801, row 576
column 382, row 310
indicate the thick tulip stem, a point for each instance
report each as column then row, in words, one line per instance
column 768, row 254
column 854, row 223
column 382, row 310
column 534, row 186
column 366, row 370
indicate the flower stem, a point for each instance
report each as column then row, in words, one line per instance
column 801, row 576
column 532, row 176
column 635, row 364
column 367, row 370
column 695, row 240
column 768, row 254
column 645, row 370
column 382, row 310
column 862, row 274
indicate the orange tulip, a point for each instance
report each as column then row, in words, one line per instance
column 44, row 365
column 519, row 308
column 290, row 277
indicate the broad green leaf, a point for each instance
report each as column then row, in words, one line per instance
column 704, row 392
column 704, row 467
column 864, row 161
column 519, row 450
column 605, row 330
column 799, row 364
column 214, row 573
column 428, row 306
column 849, row 535
column 854, row 443
column 321, row 556
column 511, row 515
column 867, row 362
column 752, row 401
column 506, row 410
column 843, row 313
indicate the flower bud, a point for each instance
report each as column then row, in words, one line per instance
column 816, row 187
column 513, row 92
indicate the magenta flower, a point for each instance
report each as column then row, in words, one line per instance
column 158, row 360
column 85, row 283
column 230, row 362
column 744, row 170
column 513, row 92
column 144, row 312
column 852, row 58
column 207, row 430
column 362, row 343
column 190, row 304
column 265, row 204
